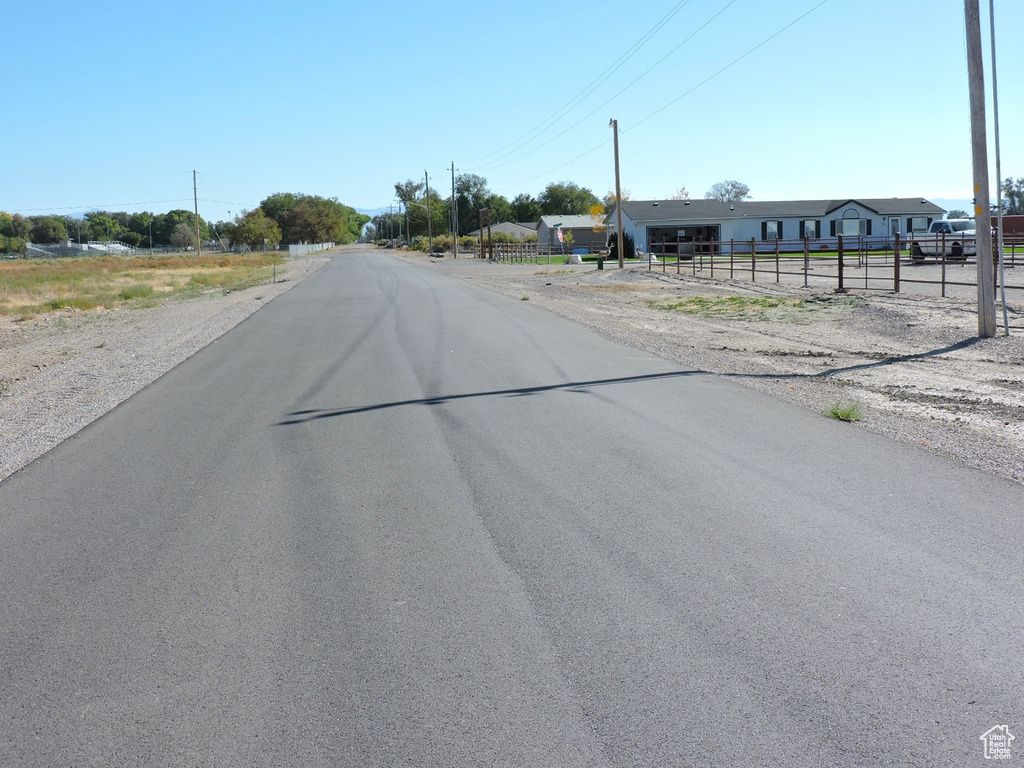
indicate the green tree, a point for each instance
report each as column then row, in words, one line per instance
column 408, row 191
column 47, row 229
column 956, row 213
column 102, row 226
column 1013, row 197
column 14, row 225
column 165, row 225
column 728, row 191
column 255, row 229
column 313, row 219
column 566, row 197
column 471, row 194
column 501, row 209
column 183, row 236
column 525, row 208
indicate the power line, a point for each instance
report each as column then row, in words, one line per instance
column 728, row 66
column 578, row 98
column 661, row 109
column 616, row 95
column 97, row 207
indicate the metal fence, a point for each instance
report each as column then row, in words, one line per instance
column 881, row 263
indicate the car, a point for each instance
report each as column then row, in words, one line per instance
column 952, row 238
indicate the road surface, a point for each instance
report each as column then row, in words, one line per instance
column 394, row 520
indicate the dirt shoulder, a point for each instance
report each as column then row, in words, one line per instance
column 912, row 364
column 61, row 370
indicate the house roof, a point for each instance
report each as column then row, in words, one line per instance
column 517, row 230
column 571, row 221
column 655, row 210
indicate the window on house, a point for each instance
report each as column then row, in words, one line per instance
column 810, row 229
column 771, row 230
column 851, row 227
column 918, row 224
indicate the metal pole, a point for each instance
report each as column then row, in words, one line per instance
column 999, row 171
column 982, row 215
column 618, row 195
column 195, row 195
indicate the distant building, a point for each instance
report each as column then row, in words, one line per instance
column 589, row 232
column 673, row 226
column 518, row 231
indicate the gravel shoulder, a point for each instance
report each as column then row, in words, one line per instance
column 62, row 370
column 911, row 363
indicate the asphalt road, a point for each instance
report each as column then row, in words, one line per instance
column 394, row 520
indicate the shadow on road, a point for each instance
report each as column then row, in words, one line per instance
column 301, row 417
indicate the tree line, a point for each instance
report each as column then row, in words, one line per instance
column 471, row 196
column 281, row 219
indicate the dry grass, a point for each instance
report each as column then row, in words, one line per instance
column 33, row 286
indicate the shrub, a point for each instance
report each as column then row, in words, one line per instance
column 138, row 291
column 628, row 245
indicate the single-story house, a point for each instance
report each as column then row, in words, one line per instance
column 673, row 226
column 590, row 232
column 518, row 231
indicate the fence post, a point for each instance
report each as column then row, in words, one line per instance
column 807, row 257
column 841, row 288
column 753, row 260
column 776, row 259
column 711, row 257
column 896, row 263
column 732, row 254
column 944, row 264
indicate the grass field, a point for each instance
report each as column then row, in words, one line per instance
column 32, row 286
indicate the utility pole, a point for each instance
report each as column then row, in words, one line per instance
column 195, row 196
column 982, row 215
column 480, row 218
column 618, row 193
column 430, row 226
column 455, row 218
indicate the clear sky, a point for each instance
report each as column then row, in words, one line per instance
column 112, row 104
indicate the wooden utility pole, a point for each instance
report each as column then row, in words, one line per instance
column 618, row 194
column 195, row 197
column 455, row 218
column 430, row 225
column 982, row 215
column 480, row 216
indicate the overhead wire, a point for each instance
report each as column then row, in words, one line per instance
column 616, row 95
column 661, row 109
column 587, row 90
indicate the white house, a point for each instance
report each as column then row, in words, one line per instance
column 673, row 226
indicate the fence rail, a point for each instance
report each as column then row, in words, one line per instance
column 878, row 262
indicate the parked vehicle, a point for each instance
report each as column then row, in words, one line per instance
column 952, row 238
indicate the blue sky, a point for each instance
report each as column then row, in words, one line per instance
column 113, row 104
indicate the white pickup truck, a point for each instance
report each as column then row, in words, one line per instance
column 953, row 238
